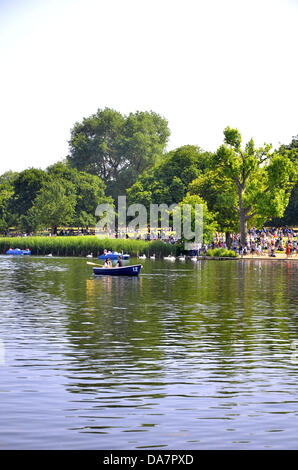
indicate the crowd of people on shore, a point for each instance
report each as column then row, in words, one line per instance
column 63, row 232
column 262, row 242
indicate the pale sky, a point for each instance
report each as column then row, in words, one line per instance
column 202, row 64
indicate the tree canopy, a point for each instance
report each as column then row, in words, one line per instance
column 6, row 195
column 290, row 216
column 262, row 179
column 59, row 195
column 220, row 196
column 112, row 154
column 167, row 182
column 118, row 148
column 54, row 205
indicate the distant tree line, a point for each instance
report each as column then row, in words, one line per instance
column 112, row 154
column 60, row 195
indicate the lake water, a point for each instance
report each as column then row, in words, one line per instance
column 187, row 356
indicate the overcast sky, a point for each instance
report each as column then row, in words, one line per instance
column 201, row 64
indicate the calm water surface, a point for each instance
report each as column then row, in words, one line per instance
column 187, row 356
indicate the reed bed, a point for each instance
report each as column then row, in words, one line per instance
column 84, row 245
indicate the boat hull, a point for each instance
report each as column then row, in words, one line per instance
column 122, row 271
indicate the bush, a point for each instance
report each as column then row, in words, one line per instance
column 222, row 253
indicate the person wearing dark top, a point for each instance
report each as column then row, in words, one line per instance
column 119, row 262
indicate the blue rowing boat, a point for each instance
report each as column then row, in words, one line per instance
column 17, row 251
column 113, row 255
column 132, row 270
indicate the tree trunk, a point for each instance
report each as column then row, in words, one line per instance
column 228, row 239
column 242, row 216
column 243, row 227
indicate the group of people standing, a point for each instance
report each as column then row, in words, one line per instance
column 264, row 241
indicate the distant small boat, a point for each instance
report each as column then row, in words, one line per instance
column 132, row 270
column 18, row 251
column 113, row 255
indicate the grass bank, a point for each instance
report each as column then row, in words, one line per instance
column 84, row 245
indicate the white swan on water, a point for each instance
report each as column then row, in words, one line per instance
column 170, row 258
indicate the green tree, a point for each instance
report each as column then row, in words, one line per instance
column 89, row 191
column 6, row 198
column 54, row 205
column 118, row 148
column 221, row 198
column 26, row 186
column 209, row 224
column 262, row 180
column 290, row 216
column 168, row 181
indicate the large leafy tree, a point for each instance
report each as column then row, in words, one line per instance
column 6, row 198
column 262, row 180
column 221, row 198
column 88, row 189
column 118, row 148
column 208, row 222
column 290, row 216
column 168, row 181
column 26, row 186
column 20, row 196
column 54, row 205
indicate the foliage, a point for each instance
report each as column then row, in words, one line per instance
column 54, row 205
column 290, row 216
column 167, row 182
column 222, row 253
column 89, row 191
column 261, row 179
column 6, row 195
column 26, row 184
column 20, row 197
column 113, row 153
column 221, row 198
column 118, row 148
column 207, row 226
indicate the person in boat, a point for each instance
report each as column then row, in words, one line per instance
column 119, row 263
column 108, row 263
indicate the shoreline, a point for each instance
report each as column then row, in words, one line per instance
column 255, row 258
column 84, row 246
column 187, row 258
